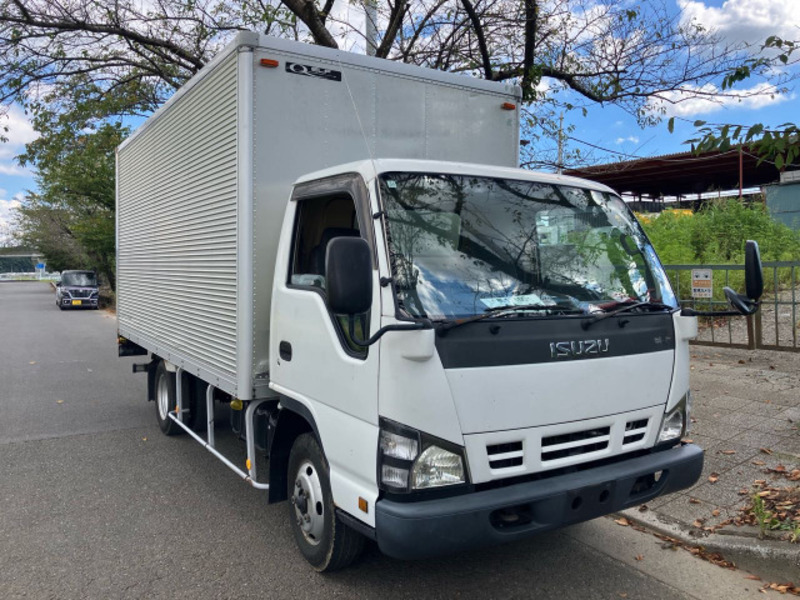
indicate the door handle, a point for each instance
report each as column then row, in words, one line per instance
column 285, row 351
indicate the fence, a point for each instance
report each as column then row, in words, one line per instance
column 773, row 327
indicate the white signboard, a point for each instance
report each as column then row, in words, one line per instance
column 702, row 283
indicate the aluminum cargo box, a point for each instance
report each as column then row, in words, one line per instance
column 202, row 185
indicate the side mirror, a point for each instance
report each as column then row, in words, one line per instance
column 58, row 284
column 753, row 273
column 348, row 274
column 753, row 281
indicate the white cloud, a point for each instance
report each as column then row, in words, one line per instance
column 631, row 138
column 707, row 99
column 20, row 132
column 745, row 21
column 7, row 207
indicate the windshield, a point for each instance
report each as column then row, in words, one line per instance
column 79, row 279
column 462, row 245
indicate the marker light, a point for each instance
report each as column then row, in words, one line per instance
column 509, row 106
column 268, row 62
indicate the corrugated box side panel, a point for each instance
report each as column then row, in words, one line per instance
column 321, row 108
column 177, row 230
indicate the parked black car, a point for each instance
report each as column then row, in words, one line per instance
column 77, row 289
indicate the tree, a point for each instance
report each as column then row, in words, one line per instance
column 125, row 57
column 71, row 218
column 78, row 64
column 780, row 144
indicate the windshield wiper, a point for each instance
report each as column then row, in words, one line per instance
column 500, row 311
column 625, row 306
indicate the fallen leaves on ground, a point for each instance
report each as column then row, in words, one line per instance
column 714, row 477
column 782, row 588
column 793, row 475
column 699, row 551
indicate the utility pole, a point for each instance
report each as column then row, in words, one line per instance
column 371, row 29
column 741, row 173
column 560, row 157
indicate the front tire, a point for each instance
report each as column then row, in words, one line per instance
column 325, row 542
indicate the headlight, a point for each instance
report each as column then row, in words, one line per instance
column 436, row 467
column 409, row 460
column 675, row 423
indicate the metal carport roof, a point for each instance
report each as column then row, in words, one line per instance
column 683, row 174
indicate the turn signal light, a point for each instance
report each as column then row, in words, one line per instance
column 268, row 62
column 509, row 106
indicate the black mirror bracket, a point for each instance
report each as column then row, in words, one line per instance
column 744, row 307
column 417, row 326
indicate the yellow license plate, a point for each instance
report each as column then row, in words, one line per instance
column 76, row 302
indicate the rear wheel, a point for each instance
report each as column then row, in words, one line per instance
column 164, row 392
column 325, row 542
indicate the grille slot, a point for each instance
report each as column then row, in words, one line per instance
column 635, row 431
column 503, row 456
column 575, row 443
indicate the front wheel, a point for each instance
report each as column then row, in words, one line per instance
column 325, row 542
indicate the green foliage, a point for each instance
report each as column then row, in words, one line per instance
column 780, row 144
column 71, row 220
column 716, row 235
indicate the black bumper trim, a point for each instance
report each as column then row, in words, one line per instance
column 433, row 527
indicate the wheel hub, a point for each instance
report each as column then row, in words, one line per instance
column 308, row 503
column 162, row 398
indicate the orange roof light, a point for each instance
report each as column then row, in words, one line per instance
column 268, row 62
column 509, row 106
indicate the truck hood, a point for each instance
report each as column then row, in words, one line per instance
column 516, row 375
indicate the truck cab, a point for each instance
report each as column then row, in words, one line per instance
column 484, row 352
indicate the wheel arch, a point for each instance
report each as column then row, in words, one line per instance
column 294, row 419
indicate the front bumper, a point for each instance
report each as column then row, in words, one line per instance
column 432, row 527
column 84, row 302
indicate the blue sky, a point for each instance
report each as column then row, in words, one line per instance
column 608, row 128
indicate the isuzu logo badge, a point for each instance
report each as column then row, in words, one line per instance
column 579, row 348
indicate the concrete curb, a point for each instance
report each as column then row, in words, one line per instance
column 770, row 559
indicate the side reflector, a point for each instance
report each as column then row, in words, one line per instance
column 247, row 464
column 509, row 106
column 363, row 505
column 268, row 62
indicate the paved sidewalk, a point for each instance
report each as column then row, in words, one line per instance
column 746, row 416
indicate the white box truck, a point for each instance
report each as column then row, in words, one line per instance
column 434, row 349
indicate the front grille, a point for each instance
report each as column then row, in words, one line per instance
column 80, row 293
column 635, row 431
column 575, row 443
column 503, row 456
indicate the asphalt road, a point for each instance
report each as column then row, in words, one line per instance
column 96, row 503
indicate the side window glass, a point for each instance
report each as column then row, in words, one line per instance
column 319, row 220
